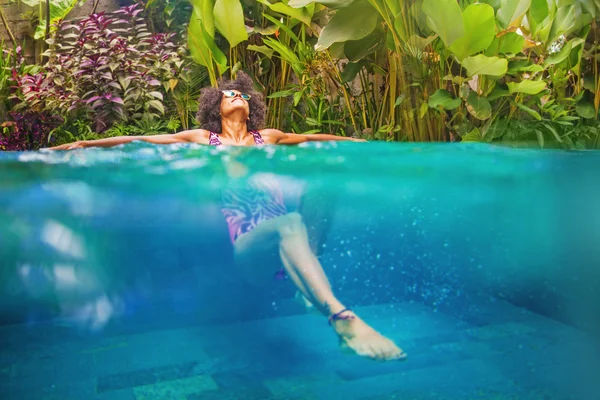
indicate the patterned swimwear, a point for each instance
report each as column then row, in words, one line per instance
column 246, row 205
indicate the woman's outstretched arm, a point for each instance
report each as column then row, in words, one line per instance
column 195, row 136
column 276, row 136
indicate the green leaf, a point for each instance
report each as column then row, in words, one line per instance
column 479, row 27
column 329, row 3
column 479, row 107
column 526, row 86
column 282, row 93
column 498, row 92
column 553, row 131
column 267, row 31
column 286, row 54
column 540, row 136
column 423, row 110
column 358, row 49
column 302, row 14
column 563, row 22
column 351, row 70
column 283, row 27
column 157, row 105
column 312, row 122
column 229, row 21
column 202, row 45
column 511, row 10
column 203, row 9
column 590, row 7
column 400, row 99
column 562, row 55
column 509, row 43
column 297, row 98
column 261, row 49
column 483, row 65
column 158, row 95
column 529, row 111
column 350, row 23
column 58, row 11
column 538, row 10
column 523, row 66
column 444, row 18
column 443, row 99
column 473, row 136
column 586, row 110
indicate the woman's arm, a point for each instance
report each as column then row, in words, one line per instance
column 196, row 136
column 279, row 137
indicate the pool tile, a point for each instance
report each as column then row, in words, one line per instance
column 233, row 394
column 463, row 378
column 177, row 389
column 297, row 385
column 151, row 376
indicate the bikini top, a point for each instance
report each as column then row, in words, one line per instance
column 214, row 140
column 245, row 205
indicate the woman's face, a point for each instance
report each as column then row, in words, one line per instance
column 232, row 103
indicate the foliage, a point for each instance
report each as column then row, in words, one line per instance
column 418, row 70
column 59, row 9
column 27, row 131
column 105, row 68
column 168, row 16
column 77, row 129
column 12, row 65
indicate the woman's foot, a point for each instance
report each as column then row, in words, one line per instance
column 360, row 338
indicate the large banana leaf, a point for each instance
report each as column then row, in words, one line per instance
column 444, row 17
column 202, row 45
column 480, row 30
column 350, row 23
column 229, row 21
column 59, row 9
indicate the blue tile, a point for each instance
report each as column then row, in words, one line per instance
column 121, row 394
column 240, row 380
column 150, row 376
column 463, row 379
column 233, row 394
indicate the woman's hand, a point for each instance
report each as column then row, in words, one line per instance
column 80, row 144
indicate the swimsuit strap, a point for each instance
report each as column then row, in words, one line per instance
column 257, row 138
column 213, row 139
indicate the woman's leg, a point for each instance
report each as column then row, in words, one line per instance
column 317, row 206
column 286, row 237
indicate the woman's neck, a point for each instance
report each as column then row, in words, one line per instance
column 235, row 131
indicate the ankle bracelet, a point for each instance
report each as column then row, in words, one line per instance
column 337, row 316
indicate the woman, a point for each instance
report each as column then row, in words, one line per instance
column 263, row 233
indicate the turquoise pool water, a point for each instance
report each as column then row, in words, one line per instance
column 117, row 278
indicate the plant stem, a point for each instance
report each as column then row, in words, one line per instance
column 96, row 2
column 47, row 20
column 5, row 23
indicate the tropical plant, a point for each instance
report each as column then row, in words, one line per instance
column 27, row 131
column 105, row 68
column 449, row 68
column 12, row 65
column 57, row 10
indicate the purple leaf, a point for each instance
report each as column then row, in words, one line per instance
column 93, row 99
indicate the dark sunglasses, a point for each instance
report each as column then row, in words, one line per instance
column 231, row 93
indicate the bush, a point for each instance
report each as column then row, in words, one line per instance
column 104, row 69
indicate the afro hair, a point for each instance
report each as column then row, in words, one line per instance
column 209, row 104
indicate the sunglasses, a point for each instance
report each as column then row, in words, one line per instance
column 231, row 93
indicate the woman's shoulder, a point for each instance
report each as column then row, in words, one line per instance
column 194, row 135
column 270, row 132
